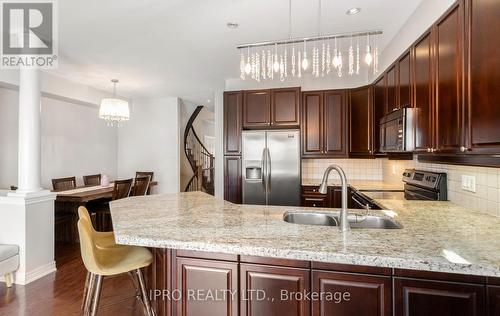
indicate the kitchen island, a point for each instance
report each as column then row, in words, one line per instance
column 444, row 253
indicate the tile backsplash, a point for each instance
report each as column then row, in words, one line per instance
column 487, row 195
column 355, row 169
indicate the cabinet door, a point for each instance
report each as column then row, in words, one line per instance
column 312, row 125
column 232, row 179
column 335, row 121
column 232, row 122
column 367, row 295
column 493, row 300
column 257, row 281
column 420, row 297
column 404, row 81
column 285, row 110
column 379, row 109
column 361, row 126
column 484, row 76
column 423, row 101
column 391, row 89
column 448, row 59
column 199, row 280
column 256, row 108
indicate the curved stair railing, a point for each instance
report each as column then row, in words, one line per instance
column 200, row 159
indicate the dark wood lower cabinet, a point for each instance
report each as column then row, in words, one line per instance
column 204, row 283
column 429, row 298
column 267, row 290
column 232, row 179
column 493, row 300
column 208, row 287
column 351, row 294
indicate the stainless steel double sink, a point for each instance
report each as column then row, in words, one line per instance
column 356, row 221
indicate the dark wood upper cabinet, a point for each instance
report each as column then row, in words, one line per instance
column 392, row 102
column 324, row 124
column 483, row 84
column 232, row 179
column 256, row 108
column 285, row 107
column 275, row 108
column 404, row 81
column 232, row 122
column 203, row 275
column 312, row 124
column 361, row 125
column 335, row 121
column 421, row 297
column 272, row 281
column 368, row 295
column 423, row 96
column 379, row 108
column 448, row 85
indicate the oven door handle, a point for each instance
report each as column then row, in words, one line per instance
column 416, row 195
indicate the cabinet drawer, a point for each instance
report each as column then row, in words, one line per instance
column 311, row 190
column 311, row 201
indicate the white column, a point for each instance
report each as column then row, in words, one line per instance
column 29, row 151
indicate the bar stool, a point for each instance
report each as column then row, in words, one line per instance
column 109, row 261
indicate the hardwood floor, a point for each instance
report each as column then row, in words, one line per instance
column 60, row 293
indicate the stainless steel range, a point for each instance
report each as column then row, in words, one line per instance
column 425, row 185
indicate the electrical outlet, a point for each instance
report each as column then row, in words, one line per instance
column 469, row 183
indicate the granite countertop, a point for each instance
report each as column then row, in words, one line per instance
column 434, row 236
column 362, row 185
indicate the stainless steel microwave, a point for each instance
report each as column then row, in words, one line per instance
column 397, row 131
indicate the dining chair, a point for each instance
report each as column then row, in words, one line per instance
column 61, row 184
column 104, row 262
column 141, row 186
column 93, row 179
column 139, row 174
column 122, row 189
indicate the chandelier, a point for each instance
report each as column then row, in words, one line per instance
column 114, row 110
column 321, row 55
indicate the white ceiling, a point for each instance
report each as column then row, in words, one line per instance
column 183, row 47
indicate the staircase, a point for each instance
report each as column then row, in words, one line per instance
column 200, row 159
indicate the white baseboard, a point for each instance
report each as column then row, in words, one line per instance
column 35, row 274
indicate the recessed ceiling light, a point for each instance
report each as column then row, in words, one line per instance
column 353, row 11
column 208, row 101
column 232, row 25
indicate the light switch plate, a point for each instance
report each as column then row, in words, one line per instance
column 469, row 183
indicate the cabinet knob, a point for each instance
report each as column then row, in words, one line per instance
column 314, row 204
column 428, row 150
column 463, row 149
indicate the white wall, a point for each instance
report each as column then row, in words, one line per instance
column 422, row 18
column 75, row 141
column 150, row 142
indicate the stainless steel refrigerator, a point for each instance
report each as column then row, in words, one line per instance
column 271, row 167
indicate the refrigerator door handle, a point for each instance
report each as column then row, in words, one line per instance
column 268, row 169
column 263, row 168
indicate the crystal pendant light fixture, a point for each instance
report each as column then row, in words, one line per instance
column 113, row 110
column 322, row 58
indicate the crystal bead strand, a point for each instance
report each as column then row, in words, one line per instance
column 357, row 57
column 282, row 69
column 351, row 59
column 328, row 59
column 285, row 62
column 299, row 68
column 269, row 64
column 323, row 57
column 263, row 64
column 339, row 68
column 293, row 61
column 242, row 66
column 257, row 67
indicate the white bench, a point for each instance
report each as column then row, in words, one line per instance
column 9, row 262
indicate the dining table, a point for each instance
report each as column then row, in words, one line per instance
column 68, row 201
